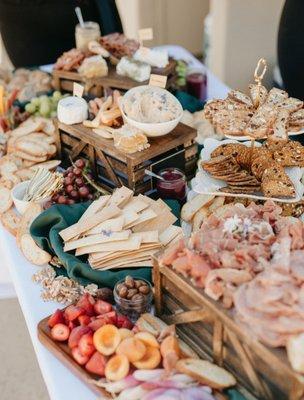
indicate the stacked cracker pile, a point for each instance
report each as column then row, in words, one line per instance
column 29, row 146
column 122, row 230
column 255, row 115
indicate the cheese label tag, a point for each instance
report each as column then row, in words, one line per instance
column 145, row 34
column 158, row 80
column 77, row 89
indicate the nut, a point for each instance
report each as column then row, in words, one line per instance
column 131, row 293
column 123, row 292
column 119, row 286
column 144, row 289
column 139, row 283
column 129, row 281
column 138, row 297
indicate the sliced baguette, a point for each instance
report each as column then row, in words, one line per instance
column 32, row 252
column 32, row 211
column 206, row 373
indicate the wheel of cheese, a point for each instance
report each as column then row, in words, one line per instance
column 72, row 110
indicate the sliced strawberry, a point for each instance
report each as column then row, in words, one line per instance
column 56, row 318
column 73, row 312
column 72, row 325
column 102, row 307
column 76, row 335
column 97, row 323
column 80, row 358
column 87, row 302
column 84, row 320
column 111, row 317
column 96, row 364
column 86, row 345
column 123, row 322
column 60, row 332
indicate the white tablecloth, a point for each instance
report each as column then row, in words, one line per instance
column 61, row 384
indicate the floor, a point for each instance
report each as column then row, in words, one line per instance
column 20, row 376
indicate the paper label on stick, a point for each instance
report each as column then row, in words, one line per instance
column 77, row 89
column 145, row 34
column 158, row 80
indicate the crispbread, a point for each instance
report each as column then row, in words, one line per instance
column 192, row 206
column 30, row 157
column 31, row 147
column 113, row 224
column 49, row 165
column 26, row 128
column 206, row 373
column 258, row 94
column 102, row 237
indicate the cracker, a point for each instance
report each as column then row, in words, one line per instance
column 33, row 253
column 6, row 201
column 10, row 221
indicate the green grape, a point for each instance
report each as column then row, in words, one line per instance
column 44, row 109
column 181, row 81
column 30, row 107
column 43, row 97
column 53, row 114
column 37, row 114
column 56, row 95
column 35, row 101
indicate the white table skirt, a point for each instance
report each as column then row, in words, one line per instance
column 61, row 383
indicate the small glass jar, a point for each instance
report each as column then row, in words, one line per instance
column 196, row 82
column 173, row 186
column 133, row 308
column 83, row 35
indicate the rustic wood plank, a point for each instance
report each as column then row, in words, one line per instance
column 188, row 316
column 108, row 167
column 77, row 149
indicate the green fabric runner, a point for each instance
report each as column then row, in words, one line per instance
column 45, row 231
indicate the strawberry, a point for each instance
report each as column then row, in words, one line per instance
column 102, row 307
column 87, row 302
column 79, row 357
column 60, row 332
column 123, row 322
column 84, row 320
column 86, row 345
column 76, row 334
column 110, row 317
column 72, row 325
column 56, row 318
column 96, row 364
column 73, row 312
column 97, row 323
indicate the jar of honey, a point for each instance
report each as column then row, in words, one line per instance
column 85, row 34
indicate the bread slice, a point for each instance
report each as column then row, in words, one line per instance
column 32, row 211
column 192, row 206
column 10, row 221
column 32, row 252
column 206, row 373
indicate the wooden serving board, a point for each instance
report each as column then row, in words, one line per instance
column 63, row 353
column 63, row 80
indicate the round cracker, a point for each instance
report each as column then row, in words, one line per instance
column 32, row 252
column 5, row 199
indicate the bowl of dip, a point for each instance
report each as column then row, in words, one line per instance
column 153, row 110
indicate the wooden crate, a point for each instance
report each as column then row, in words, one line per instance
column 209, row 328
column 112, row 168
column 63, row 80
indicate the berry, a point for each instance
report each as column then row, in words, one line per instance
column 60, row 332
column 80, row 163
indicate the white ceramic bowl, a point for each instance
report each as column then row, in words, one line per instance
column 17, row 194
column 151, row 129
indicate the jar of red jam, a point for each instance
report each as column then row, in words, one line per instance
column 196, row 81
column 173, row 185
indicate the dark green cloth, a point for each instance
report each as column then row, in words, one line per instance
column 45, row 231
column 189, row 102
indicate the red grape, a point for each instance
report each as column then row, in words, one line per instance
column 80, row 163
column 70, row 169
column 90, row 196
column 62, row 200
column 79, row 182
column 74, row 194
column 84, row 191
column 47, row 205
column 70, row 201
column 77, row 171
column 55, row 197
column 68, row 181
column 69, row 189
column 71, row 175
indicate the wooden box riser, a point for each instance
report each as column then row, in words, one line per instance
column 262, row 373
column 135, row 178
